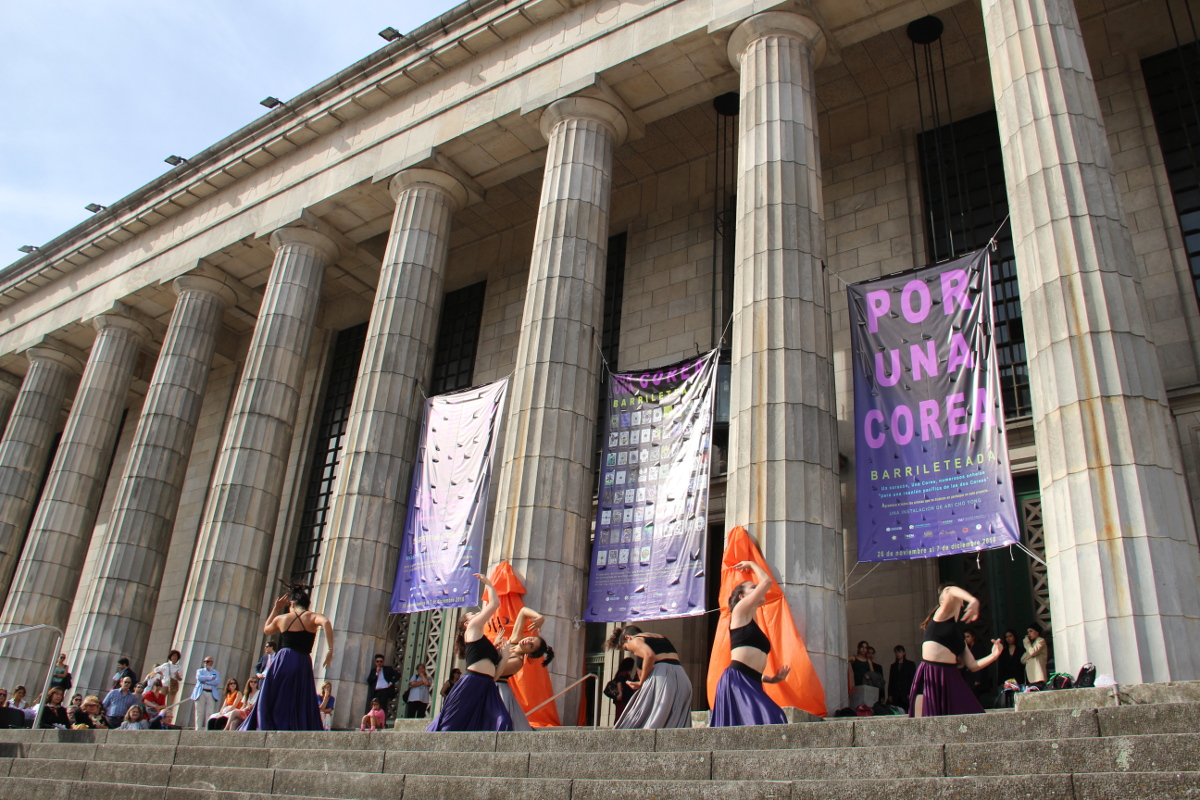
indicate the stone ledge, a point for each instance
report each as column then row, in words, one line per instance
column 1111, row 696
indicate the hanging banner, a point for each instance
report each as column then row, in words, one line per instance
column 651, row 525
column 931, row 454
column 447, row 505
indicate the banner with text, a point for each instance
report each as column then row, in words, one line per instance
column 447, row 505
column 932, row 473
column 652, row 521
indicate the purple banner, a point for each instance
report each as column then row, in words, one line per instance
column 931, row 454
column 447, row 506
column 652, row 521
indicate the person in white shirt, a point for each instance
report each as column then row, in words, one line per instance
column 170, row 673
column 381, row 683
column 417, row 701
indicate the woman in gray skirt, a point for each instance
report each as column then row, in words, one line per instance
column 525, row 642
column 663, row 693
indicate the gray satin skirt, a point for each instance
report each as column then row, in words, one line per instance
column 664, row 701
column 519, row 721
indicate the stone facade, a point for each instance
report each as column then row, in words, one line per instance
column 508, row 145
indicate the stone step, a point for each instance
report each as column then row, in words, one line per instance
column 1094, row 786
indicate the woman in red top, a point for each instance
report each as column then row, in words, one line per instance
column 154, row 698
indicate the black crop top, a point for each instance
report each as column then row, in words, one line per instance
column 947, row 634
column 481, row 650
column 749, row 635
column 301, row 641
column 657, row 644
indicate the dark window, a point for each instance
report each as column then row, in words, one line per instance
column 965, row 202
column 610, row 337
column 1175, row 101
column 458, row 339
column 331, row 431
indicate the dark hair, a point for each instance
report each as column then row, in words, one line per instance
column 617, row 638
column 1016, row 636
column 1033, row 626
column 122, row 660
column 543, row 650
column 737, row 594
column 378, row 656
column 455, row 671
column 460, row 639
column 626, row 665
column 941, row 589
column 899, row 649
column 271, row 644
column 861, row 645
column 174, row 653
column 299, row 597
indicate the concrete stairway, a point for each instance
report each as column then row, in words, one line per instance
column 1144, row 751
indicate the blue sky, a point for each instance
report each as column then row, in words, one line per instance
column 96, row 95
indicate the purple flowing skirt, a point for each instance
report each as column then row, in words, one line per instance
column 474, row 704
column 287, row 699
column 944, row 689
column 741, row 700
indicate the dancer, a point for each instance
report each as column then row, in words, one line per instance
column 522, row 647
column 474, row 704
column 663, row 696
column 939, row 688
column 286, row 700
column 740, row 698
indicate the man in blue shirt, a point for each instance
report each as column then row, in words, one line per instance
column 118, row 701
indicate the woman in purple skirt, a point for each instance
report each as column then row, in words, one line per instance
column 286, row 700
column 939, row 689
column 474, row 704
column 740, row 698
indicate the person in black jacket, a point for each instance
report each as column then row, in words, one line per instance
column 54, row 715
column 123, row 671
column 900, row 678
column 260, row 669
column 381, row 684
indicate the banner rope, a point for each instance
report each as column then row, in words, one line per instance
column 992, row 241
column 1032, row 554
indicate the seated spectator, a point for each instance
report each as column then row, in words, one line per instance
column 136, row 720
column 3, row 698
column 325, row 704
column 249, row 699
column 18, row 699
column 163, row 721
column 155, row 697
column 76, row 702
column 375, row 719
column 232, row 702
column 89, row 716
column 54, row 715
column 118, row 701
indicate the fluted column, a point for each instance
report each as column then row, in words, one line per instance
column 544, row 505
column 119, row 604
column 25, row 448
column 43, row 588
column 9, row 387
column 783, row 483
column 223, row 604
column 362, row 540
column 1120, row 536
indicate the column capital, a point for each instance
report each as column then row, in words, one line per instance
column 49, row 353
column 435, row 178
column 9, row 384
column 785, row 23
column 194, row 282
column 586, row 108
column 114, row 319
column 308, row 238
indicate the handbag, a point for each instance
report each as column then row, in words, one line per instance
column 612, row 690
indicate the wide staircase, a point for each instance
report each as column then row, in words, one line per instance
column 1137, row 751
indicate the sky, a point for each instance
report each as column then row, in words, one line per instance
column 94, row 95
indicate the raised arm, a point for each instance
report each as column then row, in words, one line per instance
column 525, row 617
column 763, row 583
column 969, row 658
column 954, row 593
column 280, row 606
column 477, row 624
column 327, row 627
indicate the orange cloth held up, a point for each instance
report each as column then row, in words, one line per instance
column 532, row 684
column 802, row 688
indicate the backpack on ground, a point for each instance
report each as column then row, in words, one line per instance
column 1087, row 676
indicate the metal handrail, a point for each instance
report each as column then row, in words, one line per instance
column 564, row 691
column 37, row 718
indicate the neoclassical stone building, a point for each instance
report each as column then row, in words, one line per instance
column 217, row 381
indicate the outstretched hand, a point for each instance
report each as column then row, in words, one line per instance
column 281, row 604
column 780, row 676
column 744, row 566
column 997, row 647
column 972, row 611
column 328, row 658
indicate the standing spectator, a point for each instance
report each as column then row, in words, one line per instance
column 326, row 705
column 61, row 677
column 89, row 715
column 623, row 677
column 860, row 666
column 900, row 678
column 170, row 674
column 123, row 671
column 980, row 682
column 455, row 674
column 205, row 694
column 1036, row 656
column 418, row 694
column 118, row 701
column 54, row 715
column 260, row 669
column 1010, row 667
column 154, row 698
column 381, row 683
column 878, row 670
column 18, row 699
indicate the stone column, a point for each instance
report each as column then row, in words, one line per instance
column 119, row 604
column 544, row 505
column 783, row 482
column 26, row 447
column 43, row 589
column 9, row 387
column 1120, row 537
column 222, row 608
column 362, row 540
